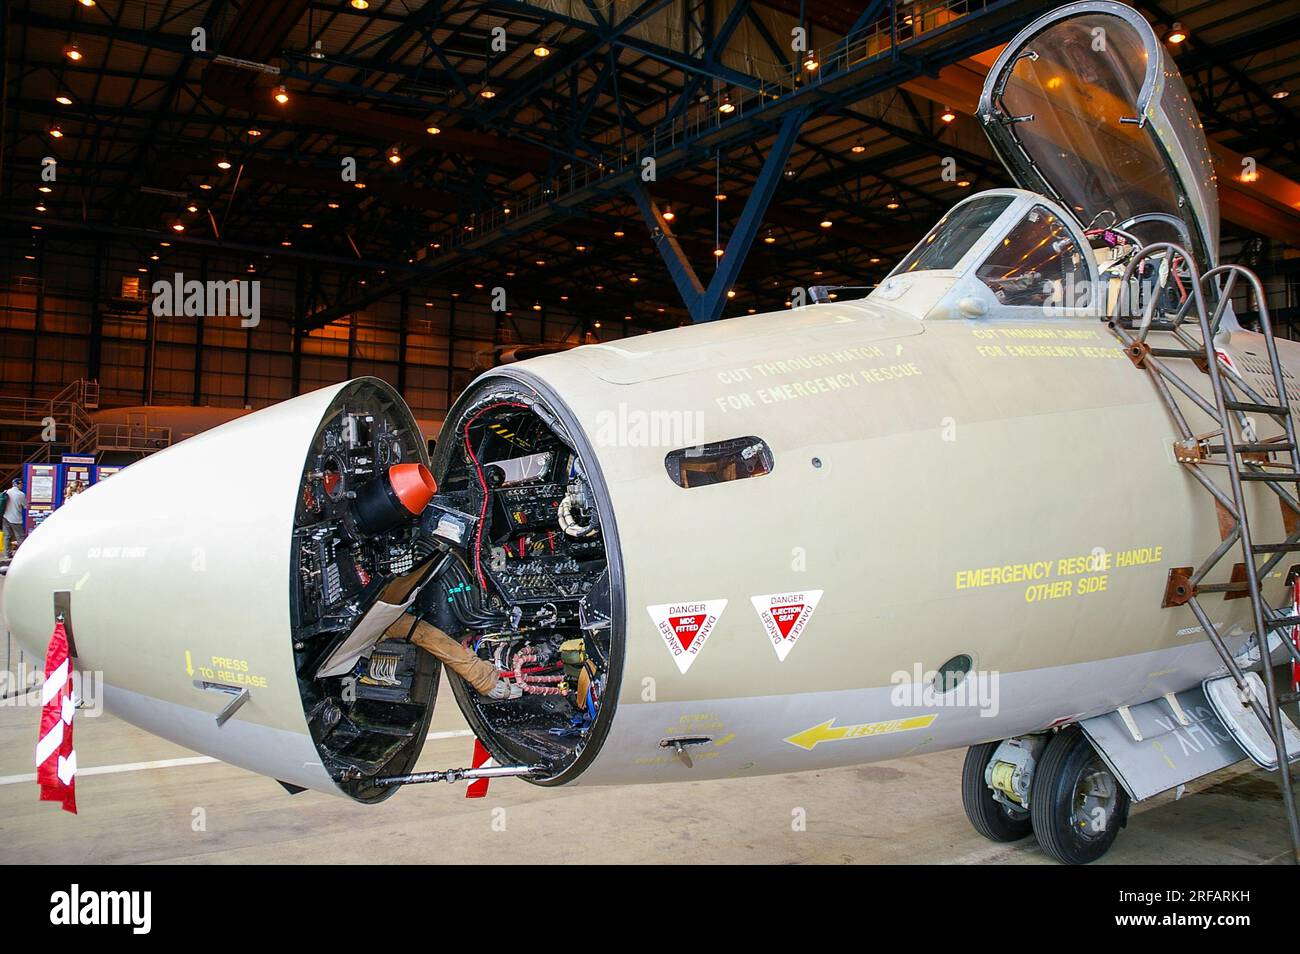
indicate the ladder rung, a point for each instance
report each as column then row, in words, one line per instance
column 1288, row 697
column 1239, row 586
column 1275, row 548
column 1176, row 353
column 1262, row 476
column 1282, row 622
column 1247, row 407
column 1262, row 448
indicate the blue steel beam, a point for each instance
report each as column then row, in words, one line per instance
column 707, row 304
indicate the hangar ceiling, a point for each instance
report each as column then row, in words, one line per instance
column 519, row 127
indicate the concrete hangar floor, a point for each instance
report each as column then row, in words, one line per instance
column 144, row 800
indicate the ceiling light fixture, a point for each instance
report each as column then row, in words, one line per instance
column 394, row 155
column 63, row 99
column 282, row 95
column 726, row 106
column 56, row 132
column 947, row 115
column 541, row 52
column 223, row 163
column 1177, row 34
column 811, row 64
column 72, row 53
column 432, row 130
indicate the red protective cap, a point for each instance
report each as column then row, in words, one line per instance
column 413, row 485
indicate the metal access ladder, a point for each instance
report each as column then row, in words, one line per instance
column 1187, row 351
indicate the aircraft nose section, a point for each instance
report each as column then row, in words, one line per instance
column 27, row 592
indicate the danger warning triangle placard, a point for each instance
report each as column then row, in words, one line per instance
column 784, row 617
column 685, row 627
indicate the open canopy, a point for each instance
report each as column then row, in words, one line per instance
column 1086, row 106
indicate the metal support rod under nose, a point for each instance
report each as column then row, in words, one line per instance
column 456, row 775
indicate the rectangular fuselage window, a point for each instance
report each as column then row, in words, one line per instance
column 716, row 463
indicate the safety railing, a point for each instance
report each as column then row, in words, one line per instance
column 886, row 38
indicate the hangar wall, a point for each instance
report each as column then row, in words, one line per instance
column 63, row 317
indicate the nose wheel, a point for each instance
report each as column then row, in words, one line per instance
column 991, row 817
column 1077, row 805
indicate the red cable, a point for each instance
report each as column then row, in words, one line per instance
column 482, row 482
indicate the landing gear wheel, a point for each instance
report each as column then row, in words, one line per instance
column 992, row 819
column 1077, row 805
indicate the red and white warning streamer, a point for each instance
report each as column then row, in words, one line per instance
column 1295, row 632
column 56, row 760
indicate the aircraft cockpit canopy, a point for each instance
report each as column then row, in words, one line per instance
column 1006, row 248
column 1086, row 107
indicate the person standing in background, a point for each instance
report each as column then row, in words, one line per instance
column 15, row 515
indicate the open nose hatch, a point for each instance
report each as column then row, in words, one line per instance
column 505, row 545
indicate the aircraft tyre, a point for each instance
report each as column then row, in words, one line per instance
column 987, row 815
column 1077, row 806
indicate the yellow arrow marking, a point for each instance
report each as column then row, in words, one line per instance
column 189, row 666
column 830, row 732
